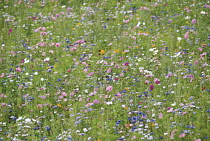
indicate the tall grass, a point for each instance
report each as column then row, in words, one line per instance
column 104, row 70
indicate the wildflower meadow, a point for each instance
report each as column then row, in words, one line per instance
column 105, row 70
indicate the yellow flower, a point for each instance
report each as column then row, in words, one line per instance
column 127, row 89
column 116, row 50
column 122, row 52
column 125, row 108
column 140, row 31
column 152, row 124
column 59, row 105
column 153, row 45
column 101, row 51
column 72, row 28
column 79, row 24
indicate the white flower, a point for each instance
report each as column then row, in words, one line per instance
column 47, row 59
column 202, row 12
column 85, row 130
column 35, row 73
column 179, row 39
column 109, row 102
column 173, row 104
column 187, row 17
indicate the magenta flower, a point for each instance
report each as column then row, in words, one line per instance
column 151, row 87
column 10, row 30
column 109, row 88
column 193, row 21
column 126, row 64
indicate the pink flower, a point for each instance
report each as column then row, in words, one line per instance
column 147, row 81
column 89, row 104
column 18, row 69
column 173, row 133
column 169, row 74
column 51, row 51
column 160, row 115
column 57, row 45
column 155, row 4
column 133, row 37
column 207, row 6
column 90, row 74
column 109, row 70
column 126, row 21
column 53, row 18
column 186, row 36
column 118, row 95
column 39, row 105
column 109, row 88
column 96, row 101
column 182, row 135
column 80, row 41
column 85, row 70
column 43, row 28
column 197, row 140
column 200, row 49
column 169, row 21
column 157, row 81
column 193, row 21
column 43, row 54
column 2, row 75
column 43, row 33
column 2, row 95
column 64, row 94
column 36, row 30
